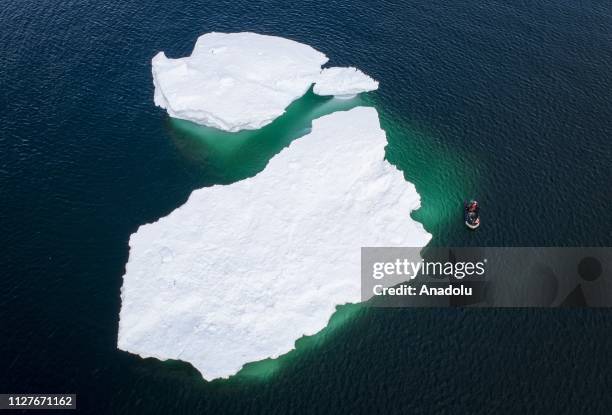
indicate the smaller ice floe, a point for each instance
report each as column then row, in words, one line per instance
column 235, row 81
column 343, row 82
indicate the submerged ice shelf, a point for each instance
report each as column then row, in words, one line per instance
column 240, row 272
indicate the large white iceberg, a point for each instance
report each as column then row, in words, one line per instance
column 239, row 272
column 343, row 82
column 235, row 81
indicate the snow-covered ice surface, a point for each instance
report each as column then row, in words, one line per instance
column 240, row 272
column 343, row 82
column 235, row 81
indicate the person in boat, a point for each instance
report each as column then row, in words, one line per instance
column 471, row 216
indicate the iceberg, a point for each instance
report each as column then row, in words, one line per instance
column 343, row 82
column 235, row 81
column 241, row 271
column 244, row 81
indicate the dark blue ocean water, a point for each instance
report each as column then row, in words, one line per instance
column 507, row 101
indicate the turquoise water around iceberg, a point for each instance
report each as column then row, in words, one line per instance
column 228, row 157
